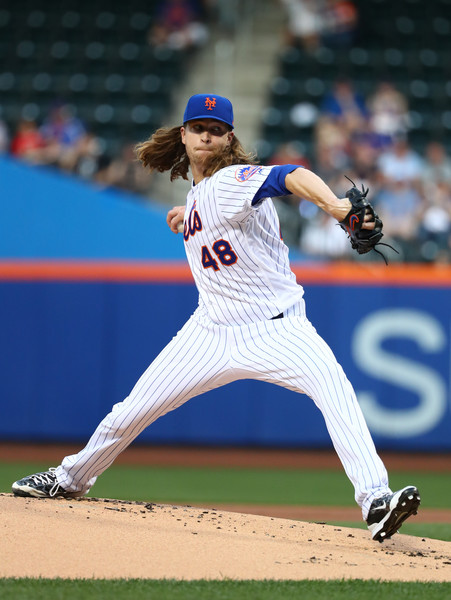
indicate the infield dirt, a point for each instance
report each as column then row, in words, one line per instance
column 97, row 538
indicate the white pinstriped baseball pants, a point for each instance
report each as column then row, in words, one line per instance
column 204, row 356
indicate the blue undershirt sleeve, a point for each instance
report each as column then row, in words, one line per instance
column 274, row 185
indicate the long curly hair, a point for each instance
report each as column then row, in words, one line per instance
column 165, row 151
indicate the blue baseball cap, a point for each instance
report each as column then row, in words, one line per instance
column 209, row 106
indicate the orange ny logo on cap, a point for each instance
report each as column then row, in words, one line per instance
column 210, row 103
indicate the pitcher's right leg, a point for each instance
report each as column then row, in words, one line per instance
column 194, row 362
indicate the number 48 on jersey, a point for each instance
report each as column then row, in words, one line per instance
column 223, row 250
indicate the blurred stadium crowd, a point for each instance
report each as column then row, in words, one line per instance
column 81, row 83
column 367, row 140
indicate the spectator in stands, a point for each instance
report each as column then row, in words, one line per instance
column 179, row 25
column 84, row 160
column 126, row 173
column 399, row 201
column 437, row 165
column 28, row 143
column 304, row 23
column 399, row 205
column 290, row 153
column 340, row 19
column 435, row 223
column 388, row 110
column 62, row 132
column 4, row 137
column 322, row 238
column 400, row 163
column 346, row 106
column 327, row 162
column 363, row 160
column 379, row 142
column 332, row 148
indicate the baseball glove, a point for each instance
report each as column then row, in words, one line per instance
column 362, row 240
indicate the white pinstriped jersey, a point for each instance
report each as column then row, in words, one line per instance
column 238, row 260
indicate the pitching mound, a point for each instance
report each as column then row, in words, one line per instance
column 94, row 538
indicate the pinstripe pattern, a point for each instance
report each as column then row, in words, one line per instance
column 231, row 336
column 204, row 355
column 193, row 363
column 291, row 354
column 260, row 284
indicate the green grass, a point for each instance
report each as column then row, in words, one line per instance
column 255, row 486
column 58, row 589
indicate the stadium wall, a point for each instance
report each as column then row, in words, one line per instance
column 72, row 346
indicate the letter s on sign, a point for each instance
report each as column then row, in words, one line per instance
column 369, row 355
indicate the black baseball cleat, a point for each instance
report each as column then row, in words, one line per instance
column 41, row 485
column 387, row 514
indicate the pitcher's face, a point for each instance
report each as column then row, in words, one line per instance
column 204, row 136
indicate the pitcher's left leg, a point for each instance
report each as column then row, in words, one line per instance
column 289, row 352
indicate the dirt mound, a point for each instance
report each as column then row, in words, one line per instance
column 97, row 538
